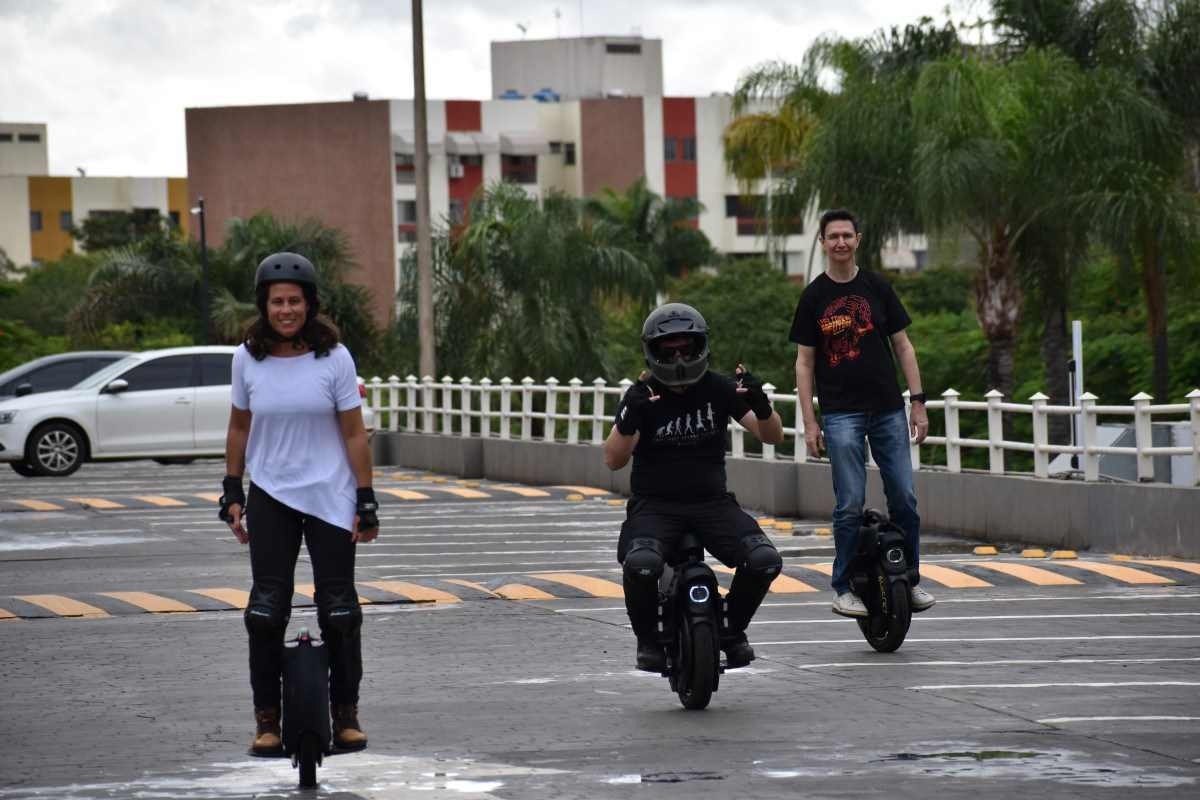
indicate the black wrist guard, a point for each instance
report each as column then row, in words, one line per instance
column 367, row 508
column 232, row 494
column 762, row 409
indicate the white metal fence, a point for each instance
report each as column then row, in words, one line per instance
column 576, row 412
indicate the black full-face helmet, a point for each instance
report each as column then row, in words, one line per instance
column 682, row 365
column 286, row 268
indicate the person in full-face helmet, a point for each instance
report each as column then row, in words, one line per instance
column 673, row 422
column 296, row 425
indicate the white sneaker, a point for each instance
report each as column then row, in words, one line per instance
column 849, row 605
column 919, row 599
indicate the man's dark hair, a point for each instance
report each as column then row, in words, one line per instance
column 836, row 214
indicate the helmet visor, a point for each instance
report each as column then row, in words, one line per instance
column 676, row 348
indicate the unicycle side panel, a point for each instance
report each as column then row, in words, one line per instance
column 306, row 695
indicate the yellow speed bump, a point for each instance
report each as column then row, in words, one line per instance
column 1033, row 552
column 63, row 606
column 1064, row 554
column 823, row 531
column 782, row 525
column 615, row 502
column 985, row 550
column 437, row 480
column 38, row 505
column 766, row 522
column 575, row 497
column 154, row 603
column 469, row 484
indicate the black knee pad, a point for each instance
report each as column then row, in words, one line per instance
column 344, row 620
column 644, row 560
column 760, row 556
column 268, row 611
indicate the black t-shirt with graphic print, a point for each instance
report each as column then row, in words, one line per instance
column 850, row 325
column 680, row 454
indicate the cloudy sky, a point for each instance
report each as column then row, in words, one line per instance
column 112, row 77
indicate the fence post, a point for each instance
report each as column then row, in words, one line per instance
column 1142, row 436
column 598, row 416
column 1087, row 437
column 526, row 408
column 410, row 412
column 768, row 450
column 427, row 402
column 393, row 403
column 995, row 432
column 505, row 406
column 464, row 402
column 485, row 408
column 374, row 397
column 800, row 451
column 1194, row 400
column 573, row 411
column 548, row 432
column 1041, row 437
column 953, row 450
column 447, row 405
column 914, row 449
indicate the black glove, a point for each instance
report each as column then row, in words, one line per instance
column 366, row 508
column 754, row 395
column 232, row 494
column 633, row 407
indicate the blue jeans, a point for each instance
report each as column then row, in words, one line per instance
column 846, row 436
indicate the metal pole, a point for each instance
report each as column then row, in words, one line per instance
column 421, row 167
column 206, row 318
column 1077, row 376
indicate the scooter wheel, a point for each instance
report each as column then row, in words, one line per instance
column 309, row 753
column 886, row 632
column 701, row 663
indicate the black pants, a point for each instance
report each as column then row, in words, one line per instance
column 726, row 531
column 275, row 533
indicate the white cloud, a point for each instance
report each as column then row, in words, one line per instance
column 112, row 77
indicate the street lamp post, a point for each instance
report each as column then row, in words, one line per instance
column 206, row 318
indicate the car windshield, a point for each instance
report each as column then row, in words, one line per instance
column 108, row 373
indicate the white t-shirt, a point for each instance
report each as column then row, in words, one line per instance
column 296, row 452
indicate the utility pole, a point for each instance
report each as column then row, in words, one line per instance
column 421, row 168
column 205, row 313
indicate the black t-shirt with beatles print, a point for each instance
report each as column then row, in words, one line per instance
column 680, row 454
column 850, row 325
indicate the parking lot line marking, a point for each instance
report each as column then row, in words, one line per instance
column 597, row 587
column 479, row 587
column 95, row 502
column 1067, row 720
column 7, row 615
column 212, row 497
column 825, row 568
column 469, row 494
column 1014, row 662
column 403, row 494
column 414, row 591
column 38, row 505
column 159, row 500
column 521, row 591
column 149, row 602
column 63, row 606
column 1035, row 575
column 586, row 491
column 234, row 597
column 1118, row 572
column 1186, row 566
column 523, row 491
column 952, row 578
column 969, row 639
column 1093, row 685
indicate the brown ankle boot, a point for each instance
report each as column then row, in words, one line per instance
column 347, row 733
column 267, row 741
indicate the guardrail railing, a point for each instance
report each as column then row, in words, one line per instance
column 579, row 413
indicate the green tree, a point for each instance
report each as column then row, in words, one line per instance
column 46, row 293
column 110, row 230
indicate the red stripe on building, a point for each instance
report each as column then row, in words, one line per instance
column 464, row 115
column 679, row 125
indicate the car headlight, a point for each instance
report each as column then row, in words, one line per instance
column 7, row 416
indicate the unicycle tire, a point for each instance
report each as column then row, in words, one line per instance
column 885, row 632
column 699, row 661
column 307, row 758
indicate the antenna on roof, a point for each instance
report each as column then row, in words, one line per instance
column 557, row 19
column 524, row 26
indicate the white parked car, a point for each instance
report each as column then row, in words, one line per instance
column 163, row 404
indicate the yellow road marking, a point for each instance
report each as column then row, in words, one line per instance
column 212, row 497
column 766, row 522
column 523, row 491
column 414, row 592
column 305, row 589
column 824, row 569
column 1033, row 552
column 587, row 491
column 784, row 584
column 472, row 585
column 150, row 602
column 1061, row 554
column 160, row 500
column 1155, row 562
column 1117, row 572
column 597, row 587
column 95, row 502
column 521, row 591
column 1035, row 575
column 233, row 597
column 470, row 494
column 63, row 606
column 7, row 615
column 985, row 550
column 38, row 505
column 404, row 494
column 952, row 578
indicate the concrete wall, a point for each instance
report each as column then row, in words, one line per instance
column 14, row 219
column 1150, row 520
column 577, row 67
column 23, row 157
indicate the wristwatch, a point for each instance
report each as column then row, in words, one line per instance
column 917, row 398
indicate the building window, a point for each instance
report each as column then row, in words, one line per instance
column 668, row 149
column 408, row 233
column 623, row 48
column 406, row 211
column 555, row 147
column 35, row 221
column 471, row 161
column 64, row 221
column 6, row 137
column 518, row 169
column 457, row 212
column 569, row 154
column 406, row 169
column 174, row 215
column 689, row 149
column 29, row 137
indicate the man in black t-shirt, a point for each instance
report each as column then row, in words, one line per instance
column 673, row 423
column 845, row 321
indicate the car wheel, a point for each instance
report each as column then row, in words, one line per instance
column 55, row 450
column 23, row 469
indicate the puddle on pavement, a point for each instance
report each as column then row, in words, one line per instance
column 666, row 777
column 360, row 776
column 1057, row 766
